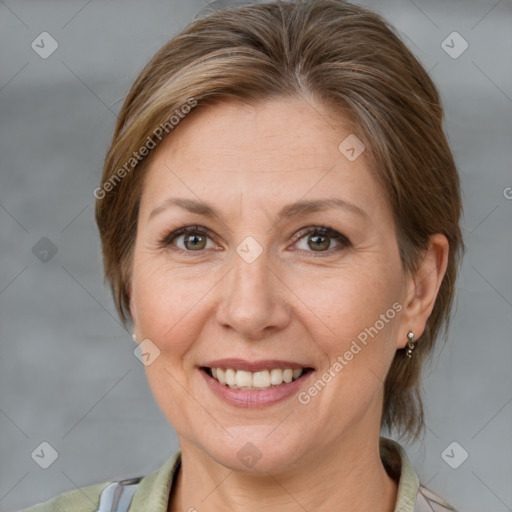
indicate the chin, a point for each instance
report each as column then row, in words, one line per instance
column 251, row 460
column 255, row 454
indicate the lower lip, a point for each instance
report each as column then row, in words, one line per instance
column 255, row 398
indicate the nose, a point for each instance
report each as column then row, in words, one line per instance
column 253, row 301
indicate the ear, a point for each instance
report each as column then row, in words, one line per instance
column 421, row 289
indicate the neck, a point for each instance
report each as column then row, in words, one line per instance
column 348, row 476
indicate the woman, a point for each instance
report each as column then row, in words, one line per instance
column 279, row 216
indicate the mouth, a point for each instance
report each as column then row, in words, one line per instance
column 261, row 380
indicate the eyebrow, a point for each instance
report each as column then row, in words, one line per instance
column 290, row 210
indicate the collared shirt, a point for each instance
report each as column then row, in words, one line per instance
column 153, row 491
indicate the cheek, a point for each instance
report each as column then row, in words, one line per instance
column 356, row 316
column 167, row 308
column 348, row 301
column 167, row 304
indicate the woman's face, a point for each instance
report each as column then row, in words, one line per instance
column 253, row 288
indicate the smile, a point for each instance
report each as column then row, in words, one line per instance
column 261, row 383
column 265, row 379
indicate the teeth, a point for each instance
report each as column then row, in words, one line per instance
column 230, row 377
column 243, row 380
column 265, row 379
column 261, row 379
column 221, row 375
column 276, row 377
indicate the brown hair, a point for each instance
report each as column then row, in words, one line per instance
column 347, row 58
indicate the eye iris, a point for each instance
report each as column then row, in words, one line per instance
column 316, row 237
column 196, row 240
column 193, row 237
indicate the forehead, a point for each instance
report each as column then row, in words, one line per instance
column 276, row 151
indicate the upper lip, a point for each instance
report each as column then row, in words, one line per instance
column 254, row 366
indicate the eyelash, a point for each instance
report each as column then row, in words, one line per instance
column 322, row 230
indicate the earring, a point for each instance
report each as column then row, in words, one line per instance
column 411, row 345
column 134, row 337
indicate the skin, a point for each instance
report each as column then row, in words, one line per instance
column 296, row 301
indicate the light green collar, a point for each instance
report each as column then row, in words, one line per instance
column 153, row 492
column 395, row 459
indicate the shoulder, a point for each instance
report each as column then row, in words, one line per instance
column 148, row 492
column 84, row 499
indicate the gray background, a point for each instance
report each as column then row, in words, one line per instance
column 68, row 375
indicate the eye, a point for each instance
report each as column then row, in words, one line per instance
column 195, row 239
column 318, row 239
